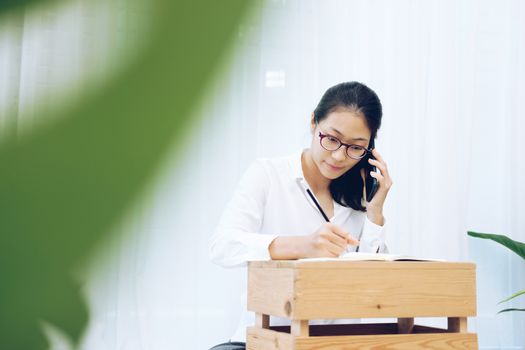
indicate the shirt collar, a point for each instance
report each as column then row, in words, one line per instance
column 298, row 175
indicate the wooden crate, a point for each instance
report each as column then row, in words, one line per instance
column 308, row 290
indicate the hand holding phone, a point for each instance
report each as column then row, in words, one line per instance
column 371, row 183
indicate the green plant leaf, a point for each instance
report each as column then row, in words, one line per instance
column 513, row 296
column 508, row 310
column 515, row 246
column 66, row 185
column 7, row 5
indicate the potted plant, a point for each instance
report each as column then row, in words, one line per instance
column 516, row 247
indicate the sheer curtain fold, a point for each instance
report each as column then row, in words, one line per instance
column 450, row 76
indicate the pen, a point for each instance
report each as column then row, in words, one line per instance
column 321, row 209
column 317, row 205
column 324, row 215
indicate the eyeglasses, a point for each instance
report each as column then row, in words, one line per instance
column 331, row 143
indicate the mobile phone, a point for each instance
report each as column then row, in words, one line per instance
column 371, row 183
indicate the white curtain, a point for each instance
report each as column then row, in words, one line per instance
column 450, row 75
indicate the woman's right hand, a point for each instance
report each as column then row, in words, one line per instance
column 329, row 240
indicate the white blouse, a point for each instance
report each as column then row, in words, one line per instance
column 270, row 201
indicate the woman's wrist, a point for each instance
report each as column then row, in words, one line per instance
column 287, row 248
column 375, row 216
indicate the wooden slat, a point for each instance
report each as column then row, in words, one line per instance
column 262, row 320
column 457, row 324
column 344, row 264
column 300, row 328
column 405, row 325
column 445, row 341
column 265, row 339
column 411, row 291
column 270, row 291
column 363, row 289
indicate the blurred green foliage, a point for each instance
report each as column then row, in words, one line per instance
column 7, row 5
column 64, row 186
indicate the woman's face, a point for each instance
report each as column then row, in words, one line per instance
column 349, row 127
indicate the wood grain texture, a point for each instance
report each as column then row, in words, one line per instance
column 302, row 291
column 265, row 339
column 445, row 341
column 300, row 328
column 349, row 289
column 270, row 291
column 325, row 293
column 457, row 324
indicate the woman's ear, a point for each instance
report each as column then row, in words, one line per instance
column 312, row 124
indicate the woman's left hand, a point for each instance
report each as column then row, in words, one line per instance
column 374, row 208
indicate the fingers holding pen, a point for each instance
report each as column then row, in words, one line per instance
column 328, row 232
column 329, row 241
column 343, row 234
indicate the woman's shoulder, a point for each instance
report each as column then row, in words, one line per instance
column 274, row 161
column 281, row 165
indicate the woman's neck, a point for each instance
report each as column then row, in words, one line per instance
column 316, row 180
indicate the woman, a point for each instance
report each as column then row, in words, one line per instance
column 272, row 215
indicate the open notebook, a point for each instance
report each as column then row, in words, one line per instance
column 353, row 256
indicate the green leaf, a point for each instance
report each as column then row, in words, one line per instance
column 69, row 183
column 508, row 310
column 515, row 246
column 7, row 5
column 513, row 296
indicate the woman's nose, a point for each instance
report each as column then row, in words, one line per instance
column 339, row 154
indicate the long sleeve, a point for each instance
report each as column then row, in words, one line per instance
column 236, row 239
column 372, row 238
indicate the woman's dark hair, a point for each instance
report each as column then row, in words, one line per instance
column 347, row 190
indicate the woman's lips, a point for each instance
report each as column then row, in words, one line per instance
column 334, row 168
